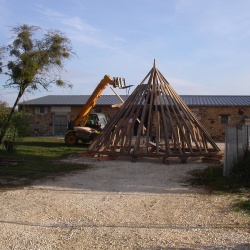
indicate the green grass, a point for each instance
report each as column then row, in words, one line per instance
column 213, row 180
column 244, row 204
column 40, row 160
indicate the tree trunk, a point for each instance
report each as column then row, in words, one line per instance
column 7, row 124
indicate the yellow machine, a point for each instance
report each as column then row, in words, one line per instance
column 87, row 125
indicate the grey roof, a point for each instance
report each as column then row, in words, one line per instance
column 72, row 100
column 190, row 100
column 216, row 100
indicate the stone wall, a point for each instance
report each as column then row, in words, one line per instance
column 42, row 124
column 209, row 116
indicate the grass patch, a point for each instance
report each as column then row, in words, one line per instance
column 244, row 204
column 213, row 180
column 40, row 160
column 239, row 181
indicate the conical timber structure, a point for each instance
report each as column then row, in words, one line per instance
column 154, row 122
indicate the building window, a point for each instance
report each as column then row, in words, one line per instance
column 224, row 119
column 41, row 109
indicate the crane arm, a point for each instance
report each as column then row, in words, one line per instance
column 82, row 117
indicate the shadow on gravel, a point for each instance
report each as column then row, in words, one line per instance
column 144, row 176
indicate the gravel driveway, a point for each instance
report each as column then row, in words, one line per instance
column 121, row 205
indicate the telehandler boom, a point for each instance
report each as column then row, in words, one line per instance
column 87, row 125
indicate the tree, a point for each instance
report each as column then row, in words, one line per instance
column 35, row 59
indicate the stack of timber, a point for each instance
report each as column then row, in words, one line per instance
column 154, row 122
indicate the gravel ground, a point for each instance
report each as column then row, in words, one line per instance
column 121, row 205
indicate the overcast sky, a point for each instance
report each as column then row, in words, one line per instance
column 200, row 46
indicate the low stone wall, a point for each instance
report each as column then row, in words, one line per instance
column 43, row 125
column 209, row 117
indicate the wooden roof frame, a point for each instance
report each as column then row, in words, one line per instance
column 164, row 125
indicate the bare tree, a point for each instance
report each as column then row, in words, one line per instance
column 33, row 61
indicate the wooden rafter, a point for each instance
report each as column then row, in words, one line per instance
column 154, row 122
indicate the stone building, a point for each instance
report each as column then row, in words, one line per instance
column 52, row 112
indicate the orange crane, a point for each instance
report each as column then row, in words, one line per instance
column 87, row 125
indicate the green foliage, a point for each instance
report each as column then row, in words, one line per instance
column 32, row 58
column 4, row 113
column 31, row 61
column 19, row 126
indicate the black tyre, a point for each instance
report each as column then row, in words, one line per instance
column 70, row 139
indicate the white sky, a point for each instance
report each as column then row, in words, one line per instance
column 201, row 46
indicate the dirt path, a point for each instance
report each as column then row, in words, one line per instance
column 121, row 205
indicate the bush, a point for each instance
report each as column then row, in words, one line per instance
column 19, row 128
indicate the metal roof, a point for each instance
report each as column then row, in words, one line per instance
column 190, row 100
column 216, row 100
column 72, row 100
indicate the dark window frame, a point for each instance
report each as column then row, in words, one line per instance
column 42, row 109
column 224, row 119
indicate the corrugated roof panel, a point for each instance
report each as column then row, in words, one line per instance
column 191, row 100
column 203, row 100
